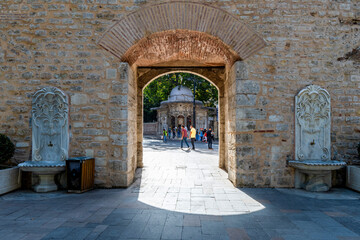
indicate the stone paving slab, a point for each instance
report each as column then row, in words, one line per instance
column 181, row 195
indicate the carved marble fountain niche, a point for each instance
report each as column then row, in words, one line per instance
column 313, row 164
column 50, row 137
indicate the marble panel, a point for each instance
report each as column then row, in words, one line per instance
column 312, row 124
column 50, row 131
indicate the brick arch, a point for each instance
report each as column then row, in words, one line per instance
column 167, row 22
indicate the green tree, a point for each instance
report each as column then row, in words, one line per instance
column 159, row 90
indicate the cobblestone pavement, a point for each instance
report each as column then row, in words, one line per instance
column 181, row 194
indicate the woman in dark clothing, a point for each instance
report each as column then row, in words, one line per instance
column 209, row 138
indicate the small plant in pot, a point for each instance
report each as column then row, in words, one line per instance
column 7, row 149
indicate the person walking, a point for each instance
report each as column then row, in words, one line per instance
column 201, row 135
column 164, row 135
column 179, row 132
column 209, row 138
column 184, row 136
column 192, row 136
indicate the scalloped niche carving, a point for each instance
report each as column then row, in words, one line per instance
column 312, row 124
column 50, row 131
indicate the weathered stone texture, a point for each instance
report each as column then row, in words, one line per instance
column 307, row 43
column 179, row 22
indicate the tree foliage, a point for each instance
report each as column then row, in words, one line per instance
column 159, row 90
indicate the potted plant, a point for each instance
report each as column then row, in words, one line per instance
column 9, row 176
column 353, row 174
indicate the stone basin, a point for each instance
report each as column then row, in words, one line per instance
column 46, row 170
column 317, row 165
column 314, row 175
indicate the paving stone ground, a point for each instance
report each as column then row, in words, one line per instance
column 181, row 194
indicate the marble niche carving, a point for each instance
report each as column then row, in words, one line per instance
column 312, row 124
column 50, row 137
column 313, row 164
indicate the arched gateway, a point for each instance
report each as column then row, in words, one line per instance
column 187, row 37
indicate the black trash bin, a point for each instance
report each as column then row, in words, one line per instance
column 80, row 174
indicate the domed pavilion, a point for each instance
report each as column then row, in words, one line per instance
column 178, row 110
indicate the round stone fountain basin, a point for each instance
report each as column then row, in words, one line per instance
column 314, row 175
column 46, row 170
column 317, row 165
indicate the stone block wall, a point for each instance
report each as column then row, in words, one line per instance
column 150, row 128
column 139, row 121
column 122, row 112
column 230, row 124
column 223, row 163
column 54, row 43
column 308, row 49
column 306, row 46
column 259, row 152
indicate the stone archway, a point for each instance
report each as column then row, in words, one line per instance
column 173, row 37
column 183, row 28
column 172, row 122
column 215, row 75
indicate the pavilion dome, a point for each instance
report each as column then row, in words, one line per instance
column 181, row 93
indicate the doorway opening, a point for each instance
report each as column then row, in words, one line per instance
column 177, row 99
column 172, row 174
column 177, row 107
column 179, row 103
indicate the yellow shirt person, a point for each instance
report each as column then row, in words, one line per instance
column 193, row 133
column 193, row 136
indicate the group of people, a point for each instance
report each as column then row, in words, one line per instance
column 167, row 134
column 204, row 136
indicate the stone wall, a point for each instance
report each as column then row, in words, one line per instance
column 123, row 111
column 229, row 108
column 54, row 43
column 260, row 154
column 150, row 128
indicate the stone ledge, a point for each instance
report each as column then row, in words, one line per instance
column 317, row 165
column 42, row 164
